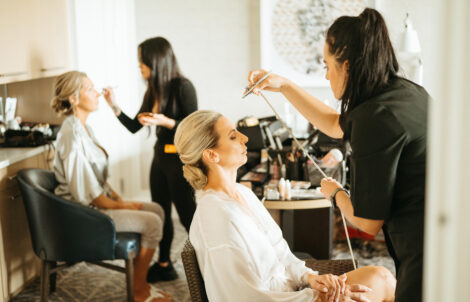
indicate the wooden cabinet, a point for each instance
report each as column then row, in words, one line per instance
column 15, row 26
column 50, row 54
column 18, row 263
column 35, row 39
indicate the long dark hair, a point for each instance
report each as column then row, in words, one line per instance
column 364, row 42
column 158, row 55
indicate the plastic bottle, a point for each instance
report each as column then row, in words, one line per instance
column 332, row 158
column 282, row 189
column 288, row 190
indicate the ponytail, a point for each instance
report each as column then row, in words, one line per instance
column 364, row 42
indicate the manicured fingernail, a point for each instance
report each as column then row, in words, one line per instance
column 325, row 290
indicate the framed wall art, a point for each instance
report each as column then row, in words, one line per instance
column 293, row 35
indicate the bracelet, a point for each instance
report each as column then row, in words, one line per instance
column 333, row 195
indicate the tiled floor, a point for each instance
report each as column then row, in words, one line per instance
column 87, row 282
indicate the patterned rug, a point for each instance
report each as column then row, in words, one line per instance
column 85, row 282
column 90, row 283
column 367, row 252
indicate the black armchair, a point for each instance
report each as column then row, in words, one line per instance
column 64, row 231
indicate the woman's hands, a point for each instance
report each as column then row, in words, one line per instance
column 328, row 284
column 334, row 288
column 110, row 98
column 129, row 205
column 115, row 202
column 273, row 82
column 115, row 196
column 353, row 293
column 121, row 204
column 328, row 185
column 156, row 119
column 109, row 95
column 356, row 292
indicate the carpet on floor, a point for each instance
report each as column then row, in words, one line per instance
column 90, row 283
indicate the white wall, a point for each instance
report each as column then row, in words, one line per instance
column 217, row 43
column 425, row 18
column 105, row 48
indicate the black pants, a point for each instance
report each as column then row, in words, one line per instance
column 406, row 249
column 167, row 185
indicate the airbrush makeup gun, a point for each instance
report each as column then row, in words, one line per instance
column 250, row 91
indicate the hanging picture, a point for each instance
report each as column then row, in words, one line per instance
column 293, row 35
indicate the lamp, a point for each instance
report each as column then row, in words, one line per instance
column 409, row 38
column 411, row 50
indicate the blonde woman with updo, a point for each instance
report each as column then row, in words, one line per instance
column 240, row 249
column 81, row 169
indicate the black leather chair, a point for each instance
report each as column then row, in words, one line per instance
column 65, row 231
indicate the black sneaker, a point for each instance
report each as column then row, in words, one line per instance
column 159, row 273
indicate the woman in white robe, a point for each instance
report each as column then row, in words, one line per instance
column 240, row 249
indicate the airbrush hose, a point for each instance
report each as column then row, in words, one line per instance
column 250, row 90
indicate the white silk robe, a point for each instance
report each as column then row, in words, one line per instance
column 242, row 255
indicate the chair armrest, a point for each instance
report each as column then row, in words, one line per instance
column 65, row 230
column 335, row 267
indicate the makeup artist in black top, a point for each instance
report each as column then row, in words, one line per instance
column 169, row 98
column 383, row 118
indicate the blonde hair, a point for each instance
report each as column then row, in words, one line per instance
column 195, row 134
column 65, row 86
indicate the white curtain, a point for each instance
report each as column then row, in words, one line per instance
column 106, row 49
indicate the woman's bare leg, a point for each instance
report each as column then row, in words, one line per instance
column 378, row 278
column 147, row 222
column 141, row 287
column 142, row 262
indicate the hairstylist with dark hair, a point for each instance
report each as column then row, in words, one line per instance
column 383, row 117
column 169, row 98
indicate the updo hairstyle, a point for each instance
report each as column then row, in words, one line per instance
column 195, row 134
column 65, row 86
